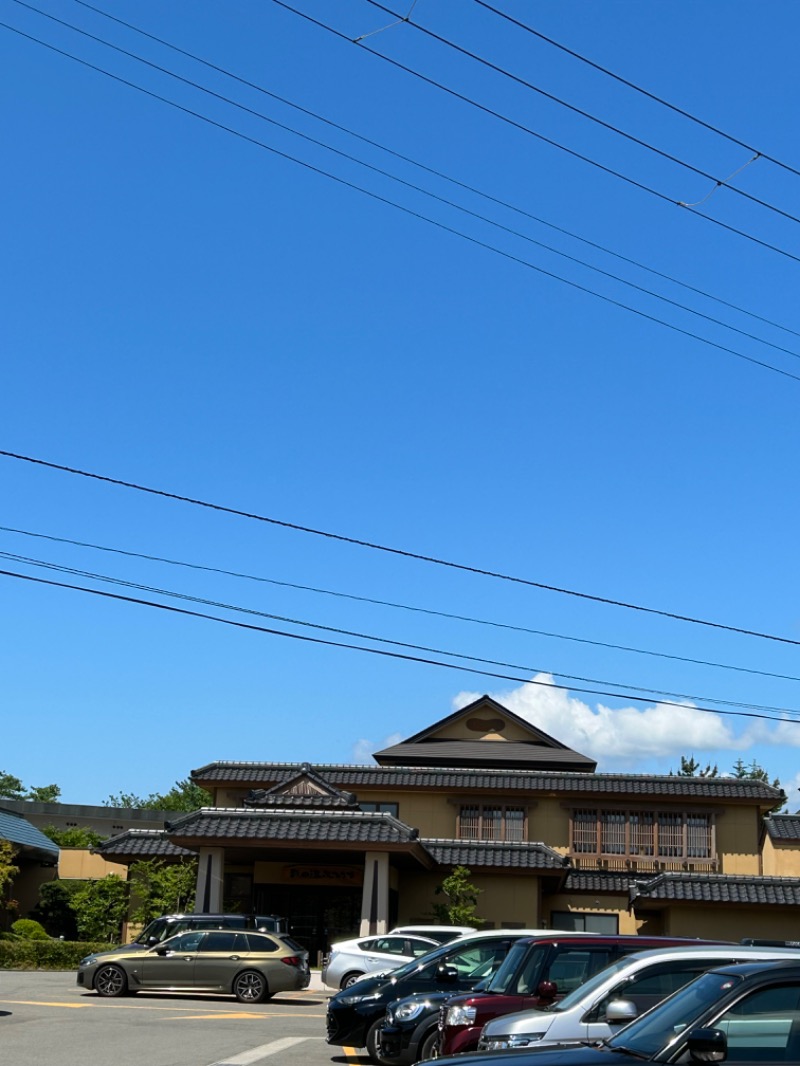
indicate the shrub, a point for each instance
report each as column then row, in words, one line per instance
column 29, row 929
column 45, row 954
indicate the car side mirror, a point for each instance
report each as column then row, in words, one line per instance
column 621, row 1011
column 707, row 1045
column 547, row 990
column 162, row 951
column 152, row 941
column 446, row 975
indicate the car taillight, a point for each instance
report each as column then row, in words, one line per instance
column 291, row 960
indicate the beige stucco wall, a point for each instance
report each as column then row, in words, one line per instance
column 78, row 864
column 509, row 899
column 585, row 903
column 782, row 860
column 738, row 831
column 732, row 923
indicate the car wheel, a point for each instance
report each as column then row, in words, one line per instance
column 428, row 1047
column 110, row 981
column 372, row 1041
column 350, row 979
column 251, row 987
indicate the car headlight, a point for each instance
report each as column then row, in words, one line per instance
column 460, row 1015
column 88, row 960
column 498, row 1043
column 350, row 1001
column 407, row 1011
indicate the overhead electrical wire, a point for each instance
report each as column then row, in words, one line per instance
column 408, row 211
column 429, row 611
column 410, row 185
column 637, row 88
column 404, row 553
column 718, row 183
column 539, row 136
column 653, row 694
column 782, row 718
column 430, row 170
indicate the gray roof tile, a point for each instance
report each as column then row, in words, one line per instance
column 783, row 827
column 477, row 853
column 294, row 825
column 19, row 831
column 719, row 888
column 266, row 775
column 141, row 843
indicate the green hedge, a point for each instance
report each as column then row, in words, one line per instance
column 45, row 954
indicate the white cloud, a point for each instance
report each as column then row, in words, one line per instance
column 623, row 737
column 363, row 749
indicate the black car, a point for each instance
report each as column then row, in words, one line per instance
column 410, row 1028
column 355, row 1015
column 749, row 1013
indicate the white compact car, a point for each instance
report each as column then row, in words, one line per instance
column 350, row 960
column 442, row 934
column 601, row 1006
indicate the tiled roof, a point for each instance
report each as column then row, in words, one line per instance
column 265, row 775
column 341, row 826
column 263, row 798
column 783, row 827
column 141, row 843
column 480, row 753
column 476, row 853
column 19, row 831
column 601, row 881
column 719, row 888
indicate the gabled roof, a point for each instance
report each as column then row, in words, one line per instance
column 306, row 788
column 28, row 840
column 718, row 888
column 480, row 742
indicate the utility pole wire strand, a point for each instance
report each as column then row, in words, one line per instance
column 632, row 85
column 382, row 651
column 540, row 136
column 431, row 170
column 593, row 118
column 431, row 612
column 653, row 694
column 415, row 188
column 400, row 552
column 406, row 210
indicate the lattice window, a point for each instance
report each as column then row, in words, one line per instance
column 492, row 823
column 698, row 836
column 612, row 832
column 584, row 832
column 670, row 835
column 642, row 825
column 643, row 834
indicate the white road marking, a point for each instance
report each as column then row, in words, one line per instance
column 256, row 1054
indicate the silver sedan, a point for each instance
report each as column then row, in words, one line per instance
column 350, row 960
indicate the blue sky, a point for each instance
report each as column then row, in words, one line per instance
column 189, row 310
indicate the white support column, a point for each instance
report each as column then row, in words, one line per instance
column 375, row 897
column 210, row 867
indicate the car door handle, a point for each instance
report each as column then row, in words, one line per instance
column 234, row 958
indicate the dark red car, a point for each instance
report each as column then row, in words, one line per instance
column 535, row 973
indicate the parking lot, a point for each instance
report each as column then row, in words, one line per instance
column 45, row 1018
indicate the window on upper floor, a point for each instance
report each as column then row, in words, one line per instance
column 387, row 808
column 648, row 834
column 491, row 822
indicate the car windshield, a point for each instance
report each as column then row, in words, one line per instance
column 663, row 1024
column 435, row 955
column 504, row 981
column 579, row 994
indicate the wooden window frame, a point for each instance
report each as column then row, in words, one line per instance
column 481, row 819
column 665, row 836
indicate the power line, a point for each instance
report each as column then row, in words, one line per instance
column 718, row 183
column 540, row 136
column 429, row 611
column 653, row 694
column 406, row 210
column 410, row 185
column 400, row 552
column 427, row 169
column 383, row 651
column 637, row 88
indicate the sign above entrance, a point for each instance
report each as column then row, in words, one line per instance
column 322, row 875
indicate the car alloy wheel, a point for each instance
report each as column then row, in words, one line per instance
column 110, row 981
column 251, row 987
column 350, row 979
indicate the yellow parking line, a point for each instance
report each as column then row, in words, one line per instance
column 142, row 1005
column 43, row 1003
